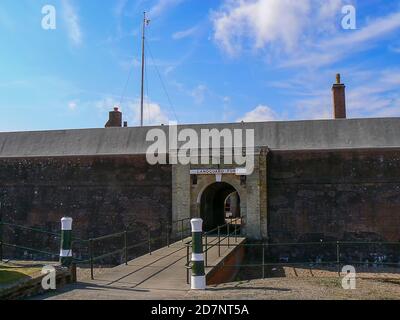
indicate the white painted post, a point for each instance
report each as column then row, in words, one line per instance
column 198, row 273
column 66, row 242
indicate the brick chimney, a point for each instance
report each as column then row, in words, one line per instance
column 115, row 119
column 339, row 99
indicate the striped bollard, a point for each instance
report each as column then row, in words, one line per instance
column 66, row 242
column 198, row 274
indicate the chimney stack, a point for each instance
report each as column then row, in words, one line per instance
column 339, row 99
column 115, row 119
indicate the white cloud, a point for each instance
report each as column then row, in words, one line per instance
column 72, row 105
column 199, row 93
column 119, row 7
column 105, row 104
column 332, row 50
column 296, row 33
column 377, row 97
column 184, row 33
column 71, row 19
column 162, row 6
column 260, row 114
column 318, row 106
column 152, row 114
column 278, row 23
column 129, row 64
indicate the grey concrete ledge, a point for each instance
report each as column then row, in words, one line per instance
column 287, row 135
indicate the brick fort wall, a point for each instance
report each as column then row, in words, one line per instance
column 334, row 195
column 103, row 194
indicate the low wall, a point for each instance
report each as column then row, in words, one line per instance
column 222, row 273
column 27, row 288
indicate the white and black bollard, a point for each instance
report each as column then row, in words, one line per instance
column 66, row 242
column 198, row 274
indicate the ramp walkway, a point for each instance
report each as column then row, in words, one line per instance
column 161, row 275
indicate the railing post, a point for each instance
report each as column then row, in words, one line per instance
column 229, row 235
column 198, row 275
column 91, row 258
column 187, row 264
column 126, row 246
column 219, row 241
column 149, row 239
column 263, row 261
column 236, row 239
column 168, row 231
column 73, row 273
column 338, row 256
column 206, row 251
column 66, row 242
column 182, row 230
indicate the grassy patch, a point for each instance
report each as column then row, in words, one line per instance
column 329, row 282
column 8, row 275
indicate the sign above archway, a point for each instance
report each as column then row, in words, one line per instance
column 237, row 171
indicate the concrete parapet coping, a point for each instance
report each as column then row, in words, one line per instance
column 285, row 135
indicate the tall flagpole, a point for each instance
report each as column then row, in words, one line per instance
column 145, row 22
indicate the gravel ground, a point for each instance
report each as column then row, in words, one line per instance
column 306, row 284
column 289, row 283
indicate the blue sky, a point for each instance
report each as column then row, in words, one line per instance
column 219, row 61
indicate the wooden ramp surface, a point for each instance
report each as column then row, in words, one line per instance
column 161, row 275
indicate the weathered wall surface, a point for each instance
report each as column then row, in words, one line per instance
column 103, row 194
column 334, row 195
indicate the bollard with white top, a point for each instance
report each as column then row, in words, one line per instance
column 198, row 274
column 66, row 242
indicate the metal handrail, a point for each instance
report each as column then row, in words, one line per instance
column 31, row 229
column 338, row 262
column 30, row 249
column 218, row 239
column 113, row 235
column 151, row 240
column 318, row 243
column 125, row 248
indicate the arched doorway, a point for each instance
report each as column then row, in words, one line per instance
column 216, row 204
column 232, row 205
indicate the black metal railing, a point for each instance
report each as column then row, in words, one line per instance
column 164, row 238
column 320, row 254
column 333, row 255
column 53, row 238
column 220, row 236
column 177, row 230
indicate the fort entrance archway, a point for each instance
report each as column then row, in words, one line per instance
column 209, row 193
column 216, row 204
